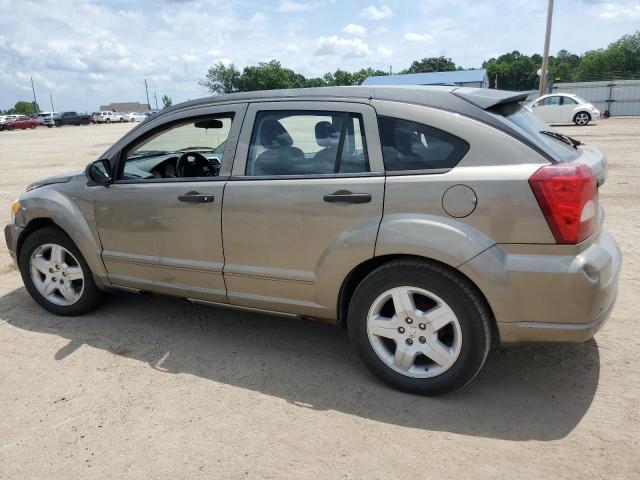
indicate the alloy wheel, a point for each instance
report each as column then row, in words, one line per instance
column 582, row 119
column 414, row 332
column 56, row 274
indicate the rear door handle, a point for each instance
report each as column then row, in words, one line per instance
column 196, row 197
column 344, row 196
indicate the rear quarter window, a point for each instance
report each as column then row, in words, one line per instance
column 412, row 146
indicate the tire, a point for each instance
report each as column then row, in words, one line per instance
column 448, row 298
column 581, row 119
column 58, row 124
column 121, row 120
column 11, row 128
column 108, row 120
column 86, row 294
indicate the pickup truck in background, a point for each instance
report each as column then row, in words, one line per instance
column 67, row 118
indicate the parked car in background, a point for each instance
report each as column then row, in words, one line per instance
column 558, row 108
column 7, row 118
column 433, row 222
column 108, row 117
column 134, row 117
column 67, row 118
column 20, row 122
column 44, row 115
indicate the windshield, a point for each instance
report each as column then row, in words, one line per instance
column 524, row 120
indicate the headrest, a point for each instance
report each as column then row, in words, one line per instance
column 326, row 135
column 274, row 135
column 405, row 139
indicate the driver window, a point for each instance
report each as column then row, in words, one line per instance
column 192, row 149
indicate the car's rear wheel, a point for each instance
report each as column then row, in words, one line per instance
column 581, row 119
column 420, row 327
column 56, row 274
column 108, row 120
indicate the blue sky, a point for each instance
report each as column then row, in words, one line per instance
column 91, row 52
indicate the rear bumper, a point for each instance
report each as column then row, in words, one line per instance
column 546, row 296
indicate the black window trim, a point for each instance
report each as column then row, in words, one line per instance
column 421, row 171
column 121, row 156
column 348, row 115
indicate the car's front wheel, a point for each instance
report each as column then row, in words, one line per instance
column 420, row 327
column 56, row 274
column 581, row 119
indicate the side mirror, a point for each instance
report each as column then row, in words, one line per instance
column 99, row 172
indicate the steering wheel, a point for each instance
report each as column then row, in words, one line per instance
column 194, row 164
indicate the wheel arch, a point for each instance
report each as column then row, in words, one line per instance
column 360, row 272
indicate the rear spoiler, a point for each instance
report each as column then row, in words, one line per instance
column 485, row 98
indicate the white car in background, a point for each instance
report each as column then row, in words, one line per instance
column 563, row 108
column 107, row 117
column 134, row 117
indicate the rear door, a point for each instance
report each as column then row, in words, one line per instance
column 303, row 204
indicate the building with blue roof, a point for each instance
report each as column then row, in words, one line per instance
column 462, row 78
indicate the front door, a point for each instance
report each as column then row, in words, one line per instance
column 548, row 109
column 160, row 221
column 303, row 205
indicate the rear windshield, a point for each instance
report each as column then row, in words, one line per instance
column 523, row 119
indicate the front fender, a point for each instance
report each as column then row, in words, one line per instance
column 444, row 239
column 71, row 207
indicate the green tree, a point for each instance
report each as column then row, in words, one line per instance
column 619, row 59
column 222, row 79
column 166, row 101
column 515, row 71
column 25, row 108
column 431, row 64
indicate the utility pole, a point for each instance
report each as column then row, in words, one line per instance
column 146, row 88
column 495, row 84
column 545, row 54
column 155, row 95
column 51, row 98
column 35, row 102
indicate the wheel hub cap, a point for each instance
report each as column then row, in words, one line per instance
column 56, row 274
column 414, row 332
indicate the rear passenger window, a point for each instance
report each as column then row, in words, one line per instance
column 409, row 145
column 307, row 143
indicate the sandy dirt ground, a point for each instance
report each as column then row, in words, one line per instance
column 159, row 388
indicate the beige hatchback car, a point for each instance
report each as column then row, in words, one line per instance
column 433, row 222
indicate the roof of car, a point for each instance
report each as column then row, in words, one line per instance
column 447, row 97
column 470, row 102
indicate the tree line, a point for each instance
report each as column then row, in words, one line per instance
column 513, row 71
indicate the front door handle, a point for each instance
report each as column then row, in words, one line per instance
column 344, row 196
column 196, row 197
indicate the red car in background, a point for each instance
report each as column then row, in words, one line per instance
column 20, row 123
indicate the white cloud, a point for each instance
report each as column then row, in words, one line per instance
column 343, row 47
column 384, row 52
column 289, row 6
column 418, row 37
column 293, row 48
column 613, row 12
column 355, row 30
column 374, row 13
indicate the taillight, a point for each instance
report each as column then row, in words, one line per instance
column 566, row 194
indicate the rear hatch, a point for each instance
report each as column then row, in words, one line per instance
column 561, row 149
